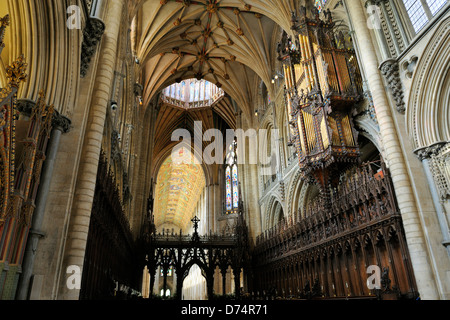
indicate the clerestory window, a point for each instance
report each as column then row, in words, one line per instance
column 420, row 12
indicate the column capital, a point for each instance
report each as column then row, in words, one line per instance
column 426, row 152
column 59, row 122
column 374, row 2
column 62, row 123
column 25, row 106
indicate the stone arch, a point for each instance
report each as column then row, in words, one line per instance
column 429, row 98
column 308, row 192
column 275, row 212
column 28, row 34
column 370, row 130
column 190, row 264
column 266, row 148
column 169, row 287
column 187, row 276
column 295, row 187
column 167, row 152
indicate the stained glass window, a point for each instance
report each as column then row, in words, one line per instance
column 235, row 188
column 228, row 188
column 232, row 179
column 169, row 272
column 319, row 4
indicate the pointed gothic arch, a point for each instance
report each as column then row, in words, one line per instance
column 429, row 97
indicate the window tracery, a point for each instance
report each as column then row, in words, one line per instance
column 231, row 180
column 421, row 12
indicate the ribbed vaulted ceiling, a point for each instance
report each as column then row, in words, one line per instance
column 231, row 43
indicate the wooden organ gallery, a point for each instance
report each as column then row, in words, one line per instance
column 354, row 221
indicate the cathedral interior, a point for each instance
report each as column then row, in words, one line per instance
column 224, row 149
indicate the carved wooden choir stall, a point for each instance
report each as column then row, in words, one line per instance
column 354, row 222
column 110, row 261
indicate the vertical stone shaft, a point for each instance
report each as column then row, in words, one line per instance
column 402, row 182
column 84, row 194
column 38, row 215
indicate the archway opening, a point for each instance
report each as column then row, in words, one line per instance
column 279, row 214
column 194, row 286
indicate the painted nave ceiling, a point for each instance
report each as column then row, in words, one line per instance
column 119, row 178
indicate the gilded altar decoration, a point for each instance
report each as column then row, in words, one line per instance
column 4, row 22
column 16, row 73
column 24, row 135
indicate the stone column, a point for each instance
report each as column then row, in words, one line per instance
column 179, row 293
column 84, row 194
column 402, row 183
column 424, row 155
column 165, row 270
column 155, row 287
column 237, row 282
column 210, row 283
column 218, row 206
column 253, row 209
column 60, row 124
column 224, row 282
column 210, row 208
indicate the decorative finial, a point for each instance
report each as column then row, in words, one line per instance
column 16, row 73
column 195, row 220
column 4, row 22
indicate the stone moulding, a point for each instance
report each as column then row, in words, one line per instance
column 391, row 71
column 92, row 36
column 438, row 154
column 26, row 107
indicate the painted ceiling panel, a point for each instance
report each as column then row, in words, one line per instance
column 179, row 187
